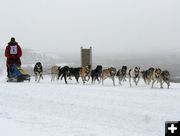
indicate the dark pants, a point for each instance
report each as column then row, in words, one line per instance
column 9, row 71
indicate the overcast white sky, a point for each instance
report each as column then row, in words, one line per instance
column 106, row 25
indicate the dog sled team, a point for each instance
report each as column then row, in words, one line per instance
column 15, row 73
column 133, row 75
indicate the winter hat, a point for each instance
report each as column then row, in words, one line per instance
column 13, row 39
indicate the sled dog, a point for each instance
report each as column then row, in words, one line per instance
column 38, row 71
column 135, row 75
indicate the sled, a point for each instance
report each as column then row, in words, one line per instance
column 17, row 74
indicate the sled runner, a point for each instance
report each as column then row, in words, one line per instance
column 17, row 74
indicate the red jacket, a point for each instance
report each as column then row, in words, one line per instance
column 13, row 53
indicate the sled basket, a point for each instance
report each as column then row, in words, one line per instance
column 17, row 74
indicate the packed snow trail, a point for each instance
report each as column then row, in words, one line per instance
column 57, row 109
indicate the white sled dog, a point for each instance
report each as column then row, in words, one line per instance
column 135, row 75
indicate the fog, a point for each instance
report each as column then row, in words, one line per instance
column 109, row 26
column 120, row 32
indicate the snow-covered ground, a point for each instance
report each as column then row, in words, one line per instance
column 57, row 109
